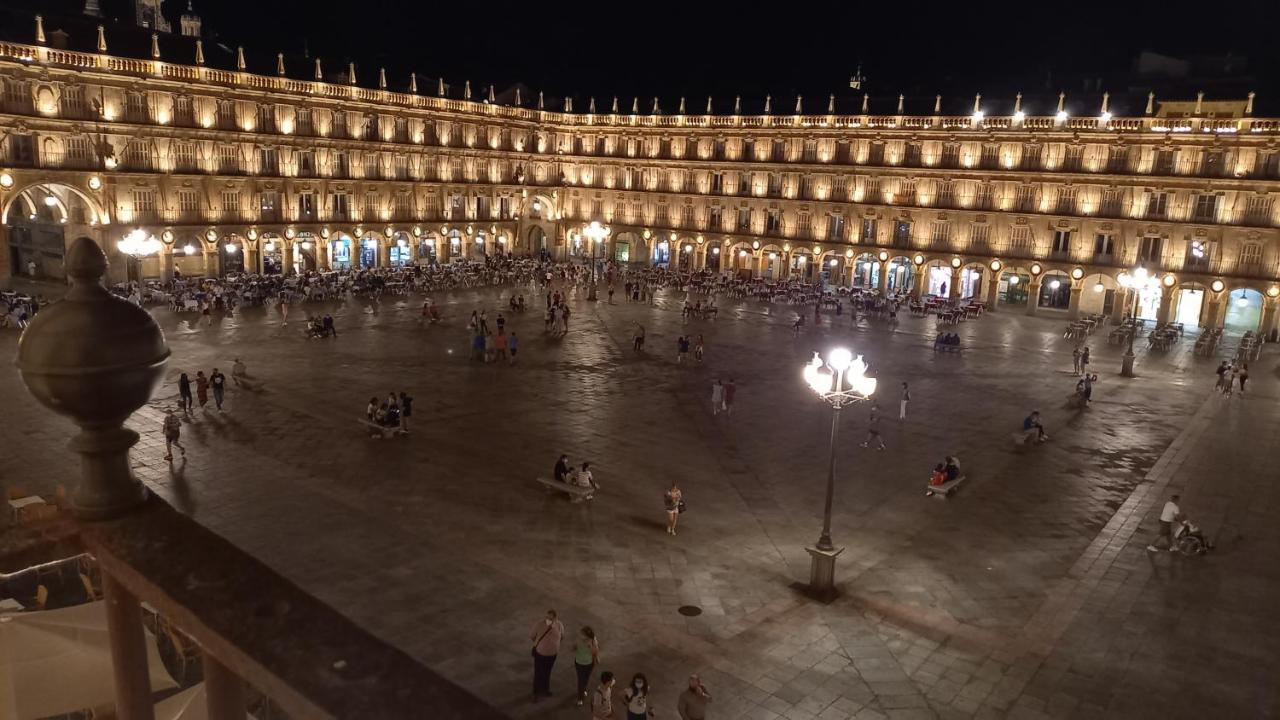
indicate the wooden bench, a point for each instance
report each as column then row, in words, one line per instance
column 576, row 493
column 945, row 489
column 381, row 432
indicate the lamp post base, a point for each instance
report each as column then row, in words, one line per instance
column 822, row 573
column 1126, row 369
column 591, row 292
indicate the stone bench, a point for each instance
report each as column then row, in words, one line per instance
column 576, row 493
column 945, row 489
column 381, row 432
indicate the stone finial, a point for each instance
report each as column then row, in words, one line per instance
column 466, row 90
column 655, row 110
column 518, row 101
column 1017, row 103
column 799, row 105
column 1151, row 103
column 708, row 104
column 591, row 105
column 440, row 87
column 681, row 112
column 635, row 106
column 831, row 104
column 737, row 104
column 492, row 97
column 1062, row 102
column 568, row 104
column 351, row 73
column 319, row 71
column 155, row 46
column 102, row 39
column 977, row 103
column 866, row 103
column 1248, row 106
column 280, row 64
column 382, row 78
column 937, row 104
column 413, row 83
column 95, row 358
column 614, row 108
column 200, row 52
column 541, row 103
column 240, row 58
column 1199, row 102
column 768, row 103
column 1106, row 103
column 900, row 100
column 40, row 30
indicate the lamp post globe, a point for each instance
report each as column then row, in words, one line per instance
column 595, row 233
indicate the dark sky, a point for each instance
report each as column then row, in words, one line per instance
column 697, row 48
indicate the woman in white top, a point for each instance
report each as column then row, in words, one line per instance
column 636, row 695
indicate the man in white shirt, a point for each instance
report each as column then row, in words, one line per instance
column 1168, row 515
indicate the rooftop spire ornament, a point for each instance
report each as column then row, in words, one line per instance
column 1248, row 106
column 831, row 104
column 866, row 101
column 591, row 105
column 466, row 90
column 40, row 30
column 541, row 105
column 240, row 58
column 614, row 109
column 1199, row 102
column 319, row 72
column 413, row 83
column 102, row 39
column 681, row 106
column 280, row 64
column 155, row 46
column 655, row 107
column 1151, row 101
column 737, row 104
column 517, row 96
column 708, row 104
column 768, row 104
column 199, row 52
column 977, row 103
column 1017, row 103
column 440, row 87
column 635, row 106
column 382, row 78
column 900, row 99
column 1106, row 103
column 492, row 97
column 351, row 73
column 1062, row 103
column 937, row 104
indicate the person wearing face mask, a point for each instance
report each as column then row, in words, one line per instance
column 602, row 698
column 637, row 698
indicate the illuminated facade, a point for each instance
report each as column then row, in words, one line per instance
column 236, row 171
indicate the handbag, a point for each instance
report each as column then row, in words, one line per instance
column 680, row 506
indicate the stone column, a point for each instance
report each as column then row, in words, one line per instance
column 211, row 264
column 922, row 281
column 253, row 256
column 166, row 263
column 1073, row 307
column 1214, row 316
column 993, row 292
column 884, row 276
column 1033, row 295
column 1165, row 314
column 1268, row 316
column 1121, row 305
column 953, row 292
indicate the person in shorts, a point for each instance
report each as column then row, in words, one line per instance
column 172, row 431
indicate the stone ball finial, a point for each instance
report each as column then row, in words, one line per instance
column 95, row 358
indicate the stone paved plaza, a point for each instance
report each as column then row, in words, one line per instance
column 1028, row 594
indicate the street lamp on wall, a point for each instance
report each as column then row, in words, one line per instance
column 840, row 380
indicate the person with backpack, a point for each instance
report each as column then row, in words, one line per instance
column 172, row 431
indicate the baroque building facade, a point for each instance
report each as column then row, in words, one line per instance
column 238, row 172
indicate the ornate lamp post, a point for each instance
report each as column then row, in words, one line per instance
column 841, row 381
column 137, row 245
column 1135, row 282
column 595, row 233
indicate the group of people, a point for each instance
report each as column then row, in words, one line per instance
column 215, row 382
column 722, row 395
column 944, row 472
column 394, row 412
column 1229, row 373
column 492, row 344
column 683, row 343
column 946, row 340
column 581, row 477
column 321, row 327
column 607, row 701
column 18, row 310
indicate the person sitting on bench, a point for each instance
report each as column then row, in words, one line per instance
column 1032, row 425
column 327, row 326
column 371, row 412
column 562, row 469
column 938, row 476
column 583, row 478
column 952, row 468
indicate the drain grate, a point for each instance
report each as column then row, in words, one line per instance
column 689, row 610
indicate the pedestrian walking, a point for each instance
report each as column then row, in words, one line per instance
column 1168, row 514
column 1243, row 376
column 673, row 501
column 218, row 383
column 694, row 700
column 717, row 397
column 638, row 338
column 1075, row 359
column 698, row 349
column 238, row 372
column 202, row 388
column 636, row 696
column 873, row 428
column 546, row 637
column 1084, row 359
column 682, row 349
column 730, row 389
column 586, row 655
column 602, row 698
column 184, row 394
column 902, row 404
column 172, row 431
column 513, row 346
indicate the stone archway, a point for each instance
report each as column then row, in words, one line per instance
column 38, row 221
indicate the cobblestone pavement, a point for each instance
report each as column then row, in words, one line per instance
column 1028, row 594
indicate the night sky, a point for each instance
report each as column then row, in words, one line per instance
column 699, row 48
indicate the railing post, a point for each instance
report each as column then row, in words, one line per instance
column 223, row 690
column 128, row 652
